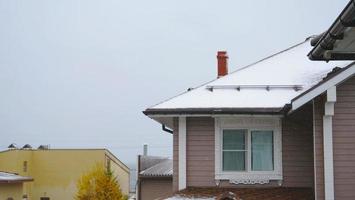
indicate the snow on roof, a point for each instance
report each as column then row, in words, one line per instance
column 6, row 177
column 269, row 83
column 164, row 168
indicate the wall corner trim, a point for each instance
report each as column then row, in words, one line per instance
column 328, row 143
column 182, row 153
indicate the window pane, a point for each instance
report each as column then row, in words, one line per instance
column 234, row 149
column 234, row 139
column 262, row 151
column 233, row 161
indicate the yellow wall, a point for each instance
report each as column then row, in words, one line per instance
column 120, row 172
column 56, row 171
column 13, row 190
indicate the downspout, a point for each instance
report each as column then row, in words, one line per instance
column 328, row 143
column 163, row 127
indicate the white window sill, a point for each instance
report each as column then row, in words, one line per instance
column 249, row 178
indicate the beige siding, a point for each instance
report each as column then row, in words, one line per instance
column 175, row 155
column 318, row 147
column 156, row 188
column 344, row 141
column 200, row 152
column 297, row 146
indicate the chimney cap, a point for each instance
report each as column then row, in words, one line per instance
column 222, row 53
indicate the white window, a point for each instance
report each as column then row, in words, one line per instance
column 248, row 149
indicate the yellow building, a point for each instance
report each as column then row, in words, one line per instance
column 12, row 185
column 56, row 171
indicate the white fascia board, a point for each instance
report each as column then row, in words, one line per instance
column 323, row 87
column 182, row 153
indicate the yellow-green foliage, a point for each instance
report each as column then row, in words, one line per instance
column 98, row 184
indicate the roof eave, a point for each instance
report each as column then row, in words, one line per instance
column 325, row 43
column 17, row 181
column 155, row 176
column 213, row 111
column 318, row 89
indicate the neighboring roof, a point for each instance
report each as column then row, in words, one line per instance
column 154, row 166
column 275, row 193
column 164, row 168
column 6, row 177
column 338, row 42
column 266, row 86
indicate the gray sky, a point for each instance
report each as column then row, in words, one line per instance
column 77, row 74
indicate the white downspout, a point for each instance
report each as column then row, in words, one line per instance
column 328, row 143
column 182, row 153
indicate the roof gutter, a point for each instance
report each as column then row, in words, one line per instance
column 213, row 111
column 325, row 43
column 163, row 127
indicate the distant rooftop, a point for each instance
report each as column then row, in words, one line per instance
column 6, row 177
column 153, row 166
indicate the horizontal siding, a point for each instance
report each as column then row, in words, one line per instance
column 297, row 156
column 200, row 152
column 344, row 141
column 297, row 148
column 156, row 188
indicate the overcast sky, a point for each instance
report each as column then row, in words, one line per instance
column 77, row 74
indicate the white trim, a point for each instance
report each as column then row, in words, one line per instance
column 314, row 153
column 182, row 153
column 328, row 158
column 323, row 87
column 251, row 123
column 153, row 116
column 328, row 144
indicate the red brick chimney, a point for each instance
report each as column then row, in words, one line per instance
column 222, row 63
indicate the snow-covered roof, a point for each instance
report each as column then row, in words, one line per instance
column 265, row 86
column 6, row 177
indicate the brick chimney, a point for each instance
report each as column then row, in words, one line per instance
column 222, row 63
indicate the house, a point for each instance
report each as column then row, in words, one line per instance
column 56, row 171
column 154, row 177
column 283, row 125
column 11, row 186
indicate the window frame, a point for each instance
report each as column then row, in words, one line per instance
column 250, row 123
